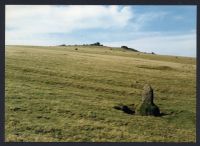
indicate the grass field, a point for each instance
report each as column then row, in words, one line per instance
column 62, row 94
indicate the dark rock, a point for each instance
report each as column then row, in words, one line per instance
column 148, row 107
column 127, row 48
column 62, row 45
column 124, row 47
column 96, row 44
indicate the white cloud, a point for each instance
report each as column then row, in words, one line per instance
column 145, row 18
column 27, row 21
column 178, row 17
column 31, row 24
column 180, row 45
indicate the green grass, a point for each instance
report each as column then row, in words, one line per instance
column 62, row 94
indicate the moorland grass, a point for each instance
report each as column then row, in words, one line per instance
column 62, row 94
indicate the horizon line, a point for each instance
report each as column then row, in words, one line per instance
column 98, row 46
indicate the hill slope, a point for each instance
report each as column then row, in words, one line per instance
column 68, row 94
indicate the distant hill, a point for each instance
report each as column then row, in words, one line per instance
column 127, row 48
column 99, row 44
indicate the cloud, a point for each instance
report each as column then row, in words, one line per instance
column 27, row 21
column 180, row 45
column 178, row 17
column 111, row 25
column 143, row 19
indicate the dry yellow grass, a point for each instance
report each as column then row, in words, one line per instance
column 62, row 94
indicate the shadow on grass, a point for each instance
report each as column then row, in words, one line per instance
column 129, row 109
column 164, row 114
column 126, row 109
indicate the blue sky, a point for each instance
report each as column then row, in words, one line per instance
column 168, row 30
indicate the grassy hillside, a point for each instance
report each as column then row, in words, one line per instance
column 63, row 94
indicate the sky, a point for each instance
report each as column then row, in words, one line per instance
column 165, row 30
